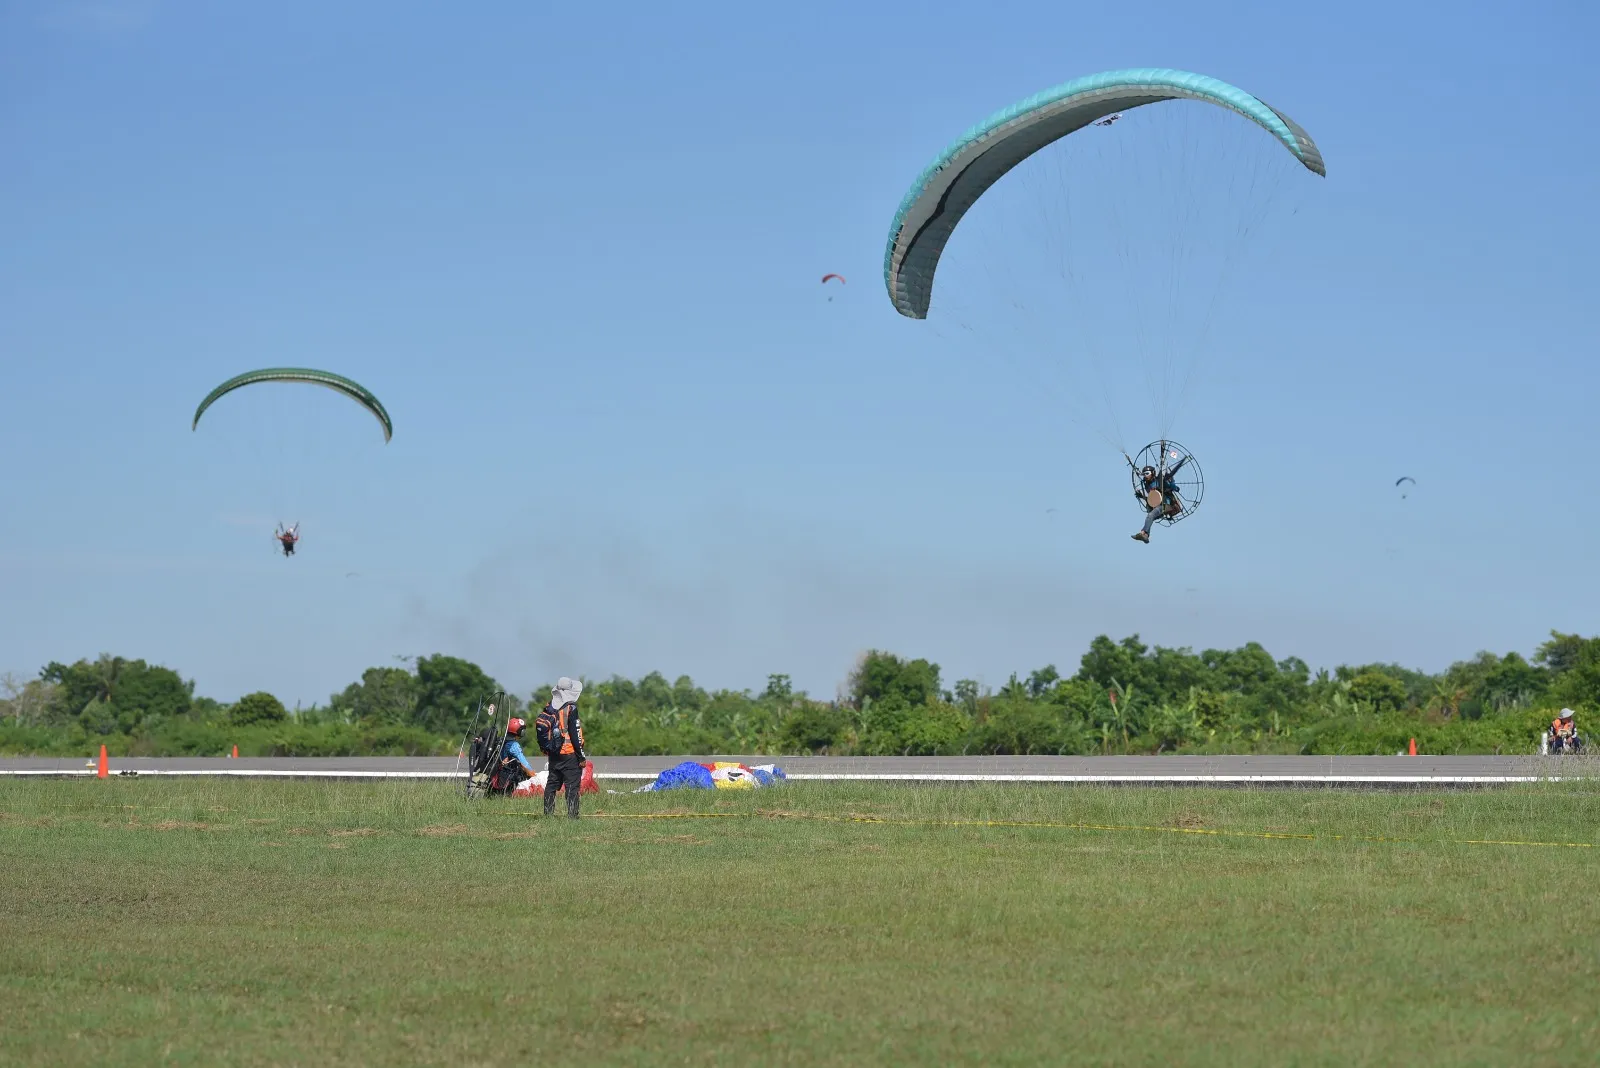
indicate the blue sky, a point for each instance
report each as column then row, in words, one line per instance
column 576, row 248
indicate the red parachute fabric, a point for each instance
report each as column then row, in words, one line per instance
column 534, row 787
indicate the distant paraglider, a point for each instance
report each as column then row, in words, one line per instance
column 1404, row 478
column 832, row 277
column 287, row 536
column 1167, row 483
column 1164, row 294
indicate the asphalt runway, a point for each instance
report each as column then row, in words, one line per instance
column 1357, row 771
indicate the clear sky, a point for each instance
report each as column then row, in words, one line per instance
column 575, row 249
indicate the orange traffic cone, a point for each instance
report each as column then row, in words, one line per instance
column 102, row 771
column 1413, row 747
column 236, row 750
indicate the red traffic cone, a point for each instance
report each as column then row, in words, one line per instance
column 1413, row 747
column 236, row 750
column 102, row 771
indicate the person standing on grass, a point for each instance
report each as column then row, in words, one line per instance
column 559, row 732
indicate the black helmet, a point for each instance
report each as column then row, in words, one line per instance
column 1148, row 472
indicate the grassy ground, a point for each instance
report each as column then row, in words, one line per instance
column 279, row 922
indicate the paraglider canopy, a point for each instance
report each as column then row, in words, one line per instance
column 1404, row 478
column 840, row 277
column 976, row 160
column 338, row 383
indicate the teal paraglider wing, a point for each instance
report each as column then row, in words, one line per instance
column 953, row 182
column 354, row 390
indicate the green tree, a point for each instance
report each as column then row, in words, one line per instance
column 882, row 675
column 73, row 686
column 1445, row 700
column 385, row 697
column 1574, row 665
column 1378, row 691
column 1512, row 683
column 1108, row 661
column 259, row 709
column 1040, row 682
column 98, row 717
column 124, row 694
column 145, row 695
column 812, row 727
column 446, row 693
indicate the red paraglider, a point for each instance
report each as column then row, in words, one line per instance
column 840, row 277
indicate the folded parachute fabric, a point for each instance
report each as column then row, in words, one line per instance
column 688, row 773
column 721, row 775
column 535, row 786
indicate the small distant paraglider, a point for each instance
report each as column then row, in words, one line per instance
column 832, row 277
column 1404, row 478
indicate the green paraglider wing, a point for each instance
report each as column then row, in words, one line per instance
column 952, row 183
column 354, row 390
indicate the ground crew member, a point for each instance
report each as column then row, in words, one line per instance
column 559, row 733
column 1564, row 734
column 513, row 764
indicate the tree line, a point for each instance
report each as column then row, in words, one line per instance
column 1125, row 697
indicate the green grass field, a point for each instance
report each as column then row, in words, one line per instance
column 281, row 922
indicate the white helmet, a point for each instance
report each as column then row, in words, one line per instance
column 565, row 692
column 1567, row 713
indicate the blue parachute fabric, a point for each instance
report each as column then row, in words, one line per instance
column 688, row 773
column 722, row 775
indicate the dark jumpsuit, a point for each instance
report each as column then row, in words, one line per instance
column 566, row 763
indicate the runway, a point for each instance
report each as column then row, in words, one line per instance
column 1177, row 770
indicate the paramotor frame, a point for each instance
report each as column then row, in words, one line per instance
column 1189, row 480
column 485, row 740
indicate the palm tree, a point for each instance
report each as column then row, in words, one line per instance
column 1446, row 698
column 108, row 672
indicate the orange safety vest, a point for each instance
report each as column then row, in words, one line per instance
column 1557, row 728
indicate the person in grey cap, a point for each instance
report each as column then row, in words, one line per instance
column 559, row 732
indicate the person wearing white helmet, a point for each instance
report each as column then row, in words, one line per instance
column 559, row 732
column 1563, row 737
